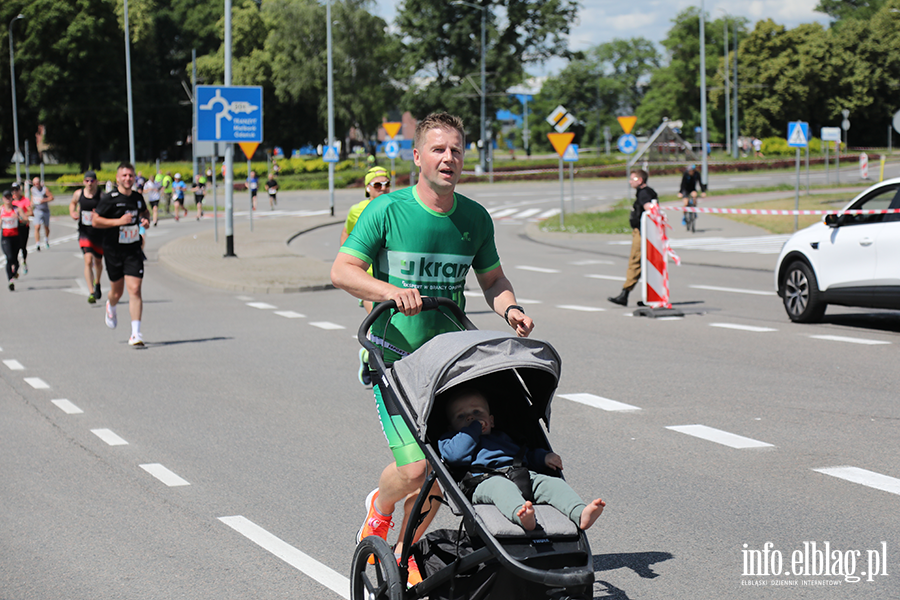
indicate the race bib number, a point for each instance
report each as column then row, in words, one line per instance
column 128, row 234
column 11, row 222
column 87, row 218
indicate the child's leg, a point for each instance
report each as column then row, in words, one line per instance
column 505, row 495
column 557, row 493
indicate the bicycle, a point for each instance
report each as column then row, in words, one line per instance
column 690, row 217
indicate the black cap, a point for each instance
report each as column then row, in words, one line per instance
column 90, row 175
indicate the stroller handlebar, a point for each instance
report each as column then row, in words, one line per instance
column 428, row 303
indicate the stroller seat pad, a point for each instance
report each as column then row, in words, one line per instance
column 550, row 523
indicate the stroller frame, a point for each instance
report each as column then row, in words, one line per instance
column 389, row 581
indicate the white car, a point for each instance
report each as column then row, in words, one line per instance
column 851, row 260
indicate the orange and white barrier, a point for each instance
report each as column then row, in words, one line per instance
column 761, row 211
column 655, row 253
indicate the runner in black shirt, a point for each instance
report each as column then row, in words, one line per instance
column 81, row 208
column 122, row 212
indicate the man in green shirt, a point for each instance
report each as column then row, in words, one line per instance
column 421, row 241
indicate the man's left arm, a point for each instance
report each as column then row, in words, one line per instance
column 499, row 294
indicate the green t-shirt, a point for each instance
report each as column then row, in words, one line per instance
column 410, row 245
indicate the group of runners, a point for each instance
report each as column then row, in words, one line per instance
column 17, row 213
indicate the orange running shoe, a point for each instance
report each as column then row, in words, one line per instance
column 414, row 576
column 375, row 523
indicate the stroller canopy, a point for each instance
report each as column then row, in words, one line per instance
column 450, row 359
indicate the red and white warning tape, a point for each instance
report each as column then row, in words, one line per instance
column 760, row 211
column 658, row 251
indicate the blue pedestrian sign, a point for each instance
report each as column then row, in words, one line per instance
column 229, row 114
column 392, row 149
column 627, row 144
column 331, row 155
column 798, row 134
column 571, row 153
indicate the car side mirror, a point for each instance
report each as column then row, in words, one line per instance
column 833, row 220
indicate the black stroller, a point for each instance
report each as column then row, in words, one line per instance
column 489, row 556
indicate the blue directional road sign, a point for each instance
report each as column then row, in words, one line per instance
column 392, row 149
column 627, row 144
column 229, row 114
column 331, row 155
column 798, row 134
column 571, row 153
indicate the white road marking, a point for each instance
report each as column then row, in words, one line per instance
column 528, row 213
column 37, row 383
column 742, row 327
column 581, row 308
column 163, row 474
column 504, row 213
column 537, row 269
column 838, row 338
column 292, row 556
column 289, row 314
column 548, row 213
column 864, row 477
column 109, row 437
column 14, row 365
column 67, row 407
column 599, row 402
column 526, row 301
column 592, row 261
column 606, row 277
column 327, row 325
column 261, row 305
column 718, row 436
column 733, row 290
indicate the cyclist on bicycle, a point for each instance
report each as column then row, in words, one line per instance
column 688, row 191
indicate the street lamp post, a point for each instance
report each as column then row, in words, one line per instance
column 128, row 92
column 330, row 104
column 12, row 75
column 483, row 90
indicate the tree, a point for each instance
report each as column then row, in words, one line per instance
column 840, row 10
column 608, row 81
column 442, row 51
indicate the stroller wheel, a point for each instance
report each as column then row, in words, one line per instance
column 379, row 581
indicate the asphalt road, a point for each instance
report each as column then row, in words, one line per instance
column 231, row 457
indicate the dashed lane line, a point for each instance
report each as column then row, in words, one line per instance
column 732, row 290
column 605, row 277
column 261, row 305
column 599, row 402
column 37, row 383
column 289, row 314
column 327, row 325
column 292, row 556
column 718, row 436
column 109, row 437
column 536, row 269
column 14, row 365
column 851, row 340
column 739, row 327
column 581, row 308
column 67, row 407
column 864, row 477
column 164, row 475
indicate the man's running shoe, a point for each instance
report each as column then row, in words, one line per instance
column 92, row 299
column 136, row 340
column 24, row 268
column 375, row 523
column 48, row 245
column 12, row 286
column 111, row 320
column 365, row 377
column 413, row 577
column 97, row 293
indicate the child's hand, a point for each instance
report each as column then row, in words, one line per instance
column 553, row 460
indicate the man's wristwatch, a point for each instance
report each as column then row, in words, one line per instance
column 509, row 308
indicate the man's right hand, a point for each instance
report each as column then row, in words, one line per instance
column 409, row 301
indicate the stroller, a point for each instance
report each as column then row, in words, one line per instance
column 489, row 557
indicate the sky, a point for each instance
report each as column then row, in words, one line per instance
column 602, row 21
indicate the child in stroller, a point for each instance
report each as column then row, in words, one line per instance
column 502, row 478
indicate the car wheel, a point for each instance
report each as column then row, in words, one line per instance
column 802, row 299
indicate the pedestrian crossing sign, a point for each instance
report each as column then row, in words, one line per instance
column 571, row 153
column 330, row 155
column 798, row 134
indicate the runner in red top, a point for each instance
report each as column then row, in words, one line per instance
column 9, row 240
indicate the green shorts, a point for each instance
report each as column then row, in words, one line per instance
column 400, row 439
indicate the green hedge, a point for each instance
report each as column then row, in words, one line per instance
column 776, row 146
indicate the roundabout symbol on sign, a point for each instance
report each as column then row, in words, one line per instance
column 392, row 149
column 627, row 143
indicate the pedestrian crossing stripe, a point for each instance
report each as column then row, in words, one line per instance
column 797, row 137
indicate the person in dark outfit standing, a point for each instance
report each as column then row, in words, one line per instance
column 645, row 197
